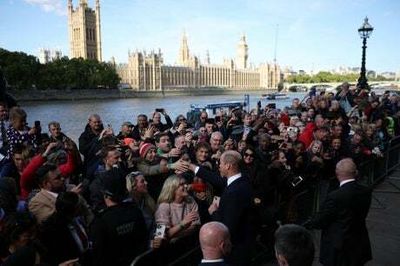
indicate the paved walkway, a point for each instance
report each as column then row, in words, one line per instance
column 383, row 222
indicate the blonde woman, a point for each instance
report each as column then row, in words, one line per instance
column 137, row 188
column 176, row 209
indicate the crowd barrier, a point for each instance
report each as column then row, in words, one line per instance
column 376, row 169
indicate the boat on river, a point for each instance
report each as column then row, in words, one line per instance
column 274, row 96
column 213, row 108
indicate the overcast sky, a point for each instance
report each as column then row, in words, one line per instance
column 312, row 34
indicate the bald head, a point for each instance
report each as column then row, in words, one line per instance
column 95, row 122
column 346, row 169
column 214, row 240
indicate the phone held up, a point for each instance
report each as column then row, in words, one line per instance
column 160, row 231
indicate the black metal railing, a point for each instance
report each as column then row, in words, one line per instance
column 376, row 169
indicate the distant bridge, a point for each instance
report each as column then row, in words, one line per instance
column 393, row 84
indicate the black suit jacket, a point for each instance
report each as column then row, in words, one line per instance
column 236, row 212
column 344, row 238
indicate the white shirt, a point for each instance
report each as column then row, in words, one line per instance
column 233, row 178
column 346, row 181
column 211, row 261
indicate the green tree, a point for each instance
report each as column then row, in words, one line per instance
column 21, row 70
column 24, row 71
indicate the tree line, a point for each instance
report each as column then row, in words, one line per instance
column 23, row 71
column 325, row 76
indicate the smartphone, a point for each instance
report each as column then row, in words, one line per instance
column 37, row 124
column 160, row 231
column 296, row 181
column 160, row 110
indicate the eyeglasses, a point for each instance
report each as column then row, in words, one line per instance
column 249, row 155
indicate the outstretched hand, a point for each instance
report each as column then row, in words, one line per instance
column 182, row 166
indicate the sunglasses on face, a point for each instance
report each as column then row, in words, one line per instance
column 249, row 155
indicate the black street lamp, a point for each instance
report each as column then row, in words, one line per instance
column 365, row 31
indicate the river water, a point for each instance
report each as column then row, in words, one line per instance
column 73, row 114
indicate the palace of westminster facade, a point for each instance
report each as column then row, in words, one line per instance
column 147, row 72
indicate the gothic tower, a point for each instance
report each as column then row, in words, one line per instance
column 242, row 53
column 208, row 58
column 184, row 56
column 84, row 31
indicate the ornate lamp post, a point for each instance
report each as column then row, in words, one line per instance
column 365, row 31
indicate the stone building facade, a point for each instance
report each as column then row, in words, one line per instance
column 84, row 31
column 147, row 72
column 48, row 55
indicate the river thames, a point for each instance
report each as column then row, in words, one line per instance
column 73, row 114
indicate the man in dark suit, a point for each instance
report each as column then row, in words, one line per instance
column 235, row 207
column 344, row 239
column 215, row 243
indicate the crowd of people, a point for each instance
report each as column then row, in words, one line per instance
column 151, row 185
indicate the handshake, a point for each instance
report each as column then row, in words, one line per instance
column 182, row 166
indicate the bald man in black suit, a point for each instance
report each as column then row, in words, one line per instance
column 344, row 238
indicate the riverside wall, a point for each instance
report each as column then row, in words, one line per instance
column 72, row 95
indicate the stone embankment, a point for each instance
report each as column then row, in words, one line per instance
column 46, row 95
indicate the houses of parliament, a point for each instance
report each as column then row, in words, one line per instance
column 147, row 71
